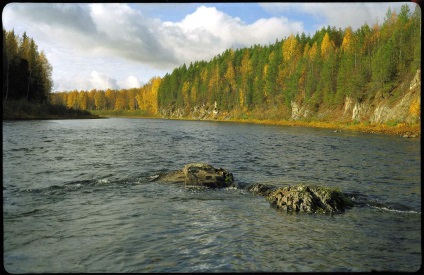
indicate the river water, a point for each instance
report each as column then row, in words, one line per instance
column 77, row 198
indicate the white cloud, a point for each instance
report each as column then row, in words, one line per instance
column 119, row 30
column 339, row 15
column 102, row 82
column 82, row 40
column 271, row 29
column 208, row 32
column 130, row 82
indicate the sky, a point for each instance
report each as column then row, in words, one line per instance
column 123, row 45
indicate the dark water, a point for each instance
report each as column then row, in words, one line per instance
column 77, row 198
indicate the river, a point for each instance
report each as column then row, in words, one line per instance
column 77, row 198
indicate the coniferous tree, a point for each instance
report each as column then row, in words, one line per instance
column 26, row 71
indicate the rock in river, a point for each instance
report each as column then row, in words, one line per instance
column 260, row 189
column 199, row 174
column 312, row 199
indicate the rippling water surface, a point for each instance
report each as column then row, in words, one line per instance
column 77, row 198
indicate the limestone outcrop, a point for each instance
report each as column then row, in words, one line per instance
column 400, row 105
column 199, row 174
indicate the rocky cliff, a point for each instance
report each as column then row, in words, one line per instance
column 205, row 111
column 401, row 108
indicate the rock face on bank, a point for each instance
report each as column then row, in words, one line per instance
column 401, row 105
column 199, row 174
column 311, row 199
column 382, row 108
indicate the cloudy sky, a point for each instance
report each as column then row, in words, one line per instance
column 100, row 46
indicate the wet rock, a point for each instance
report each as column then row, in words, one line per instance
column 199, row 174
column 202, row 174
column 312, row 199
column 260, row 189
column 171, row 177
column 409, row 135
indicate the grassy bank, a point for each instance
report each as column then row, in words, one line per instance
column 123, row 113
column 23, row 110
column 388, row 129
column 400, row 129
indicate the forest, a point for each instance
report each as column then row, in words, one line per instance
column 26, row 71
column 27, row 82
column 318, row 71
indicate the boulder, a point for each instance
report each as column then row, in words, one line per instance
column 260, row 189
column 199, row 174
column 312, row 199
column 202, row 174
column 171, row 177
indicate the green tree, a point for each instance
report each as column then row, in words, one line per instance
column 327, row 81
column 245, row 71
column 270, row 76
column 347, row 68
column 26, row 71
column 415, row 26
column 383, row 70
column 10, row 60
column 230, row 87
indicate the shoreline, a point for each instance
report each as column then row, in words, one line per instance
column 23, row 110
column 21, row 117
column 51, row 118
column 403, row 130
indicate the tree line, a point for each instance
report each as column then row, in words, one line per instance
column 143, row 98
column 321, row 70
column 26, row 71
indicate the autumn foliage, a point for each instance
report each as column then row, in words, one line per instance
column 26, row 70
column 321, row 70
column 144, row 98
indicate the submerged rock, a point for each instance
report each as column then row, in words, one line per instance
column 199, row 174
column 312, row 199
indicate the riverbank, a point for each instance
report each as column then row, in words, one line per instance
column 23, row 110
column 400, row 129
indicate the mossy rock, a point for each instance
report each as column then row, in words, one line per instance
column 199, row 175
column 260, row 189
column 311, row 199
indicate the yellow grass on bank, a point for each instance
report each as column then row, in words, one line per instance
column 401, row 129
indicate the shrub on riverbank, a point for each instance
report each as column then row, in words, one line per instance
column 122, row 113
column 19, row 110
